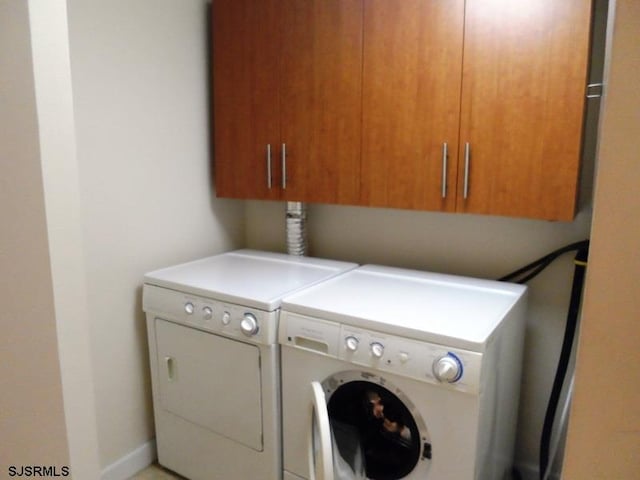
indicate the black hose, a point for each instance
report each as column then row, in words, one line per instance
column 523, row 275
column 565, row 355
column 534, row 268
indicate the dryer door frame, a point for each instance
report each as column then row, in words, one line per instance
column 211, row 381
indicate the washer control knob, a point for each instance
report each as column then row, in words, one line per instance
column 377, row 349
column 207, row 313
column 249, row 325
column 351, row 343
column 448, row 368
column 226, row 318
column 189, row 308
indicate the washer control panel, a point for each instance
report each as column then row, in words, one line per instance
column 231, row 320
column 438, row 364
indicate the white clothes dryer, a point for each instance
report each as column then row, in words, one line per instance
column 390, row 373
column 214, row 360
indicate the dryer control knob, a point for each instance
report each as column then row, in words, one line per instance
column 377, row 349
column 448, row 368
column 189, row 308
column 207, row 313
column 226, row 318
column 351, row 343
column 249, row 325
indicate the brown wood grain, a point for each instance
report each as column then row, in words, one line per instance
column 321, row 83
column 411, row 101
column 246, row 42
column 364, row 93
column 523, row 96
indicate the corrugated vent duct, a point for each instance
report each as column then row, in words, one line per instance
column 296, row 228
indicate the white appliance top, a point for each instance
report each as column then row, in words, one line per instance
column 445, row 309
column 247, row 277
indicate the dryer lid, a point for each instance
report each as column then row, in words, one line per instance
column 247, row 277
column 450, row 310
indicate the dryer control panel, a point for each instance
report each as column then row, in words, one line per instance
column 236, row 321
column 429, row 362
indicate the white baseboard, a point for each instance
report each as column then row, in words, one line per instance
column 127, row 466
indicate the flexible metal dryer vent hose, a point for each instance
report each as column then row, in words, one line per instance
column 296, row 228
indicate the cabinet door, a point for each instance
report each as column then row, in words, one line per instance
column 523, row 91
column 321, row 69
column 246, row 42
column 411, row 102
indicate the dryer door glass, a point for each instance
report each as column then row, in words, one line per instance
column 371, row 424
column 211, row 381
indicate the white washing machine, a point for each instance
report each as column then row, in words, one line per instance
column 215, row 360
column 390, row 373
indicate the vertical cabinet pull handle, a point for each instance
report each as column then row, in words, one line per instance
column 284, row 166
column 269, row 178
column 445, row 154
column 467, row 158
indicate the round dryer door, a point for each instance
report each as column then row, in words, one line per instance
column 375, row 428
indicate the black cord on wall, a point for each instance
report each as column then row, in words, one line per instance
column 528, row 272
column 523, row 275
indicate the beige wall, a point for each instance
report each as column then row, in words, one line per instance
column 32, row 421
column 105, row 174
column 140, row 95
column 604, row 428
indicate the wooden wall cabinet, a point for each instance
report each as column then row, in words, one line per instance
column 411, row 103
column 524, row 80
column 246, row 96
column 287, row 99
column 470, row 106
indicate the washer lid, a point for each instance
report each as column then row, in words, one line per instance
column 450, row 310
column 247, row 277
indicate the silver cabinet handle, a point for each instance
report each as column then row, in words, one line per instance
column 599, row 87
column 269, row 178
column 445, row 153
column 284, row 166
column 467, row 157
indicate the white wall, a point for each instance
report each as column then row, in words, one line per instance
column 32, row 420
column 52, row 79
column 140, row 92
column 482, row 246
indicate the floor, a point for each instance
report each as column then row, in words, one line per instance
column 156, row 472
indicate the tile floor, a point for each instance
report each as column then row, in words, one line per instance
column 156, row 472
